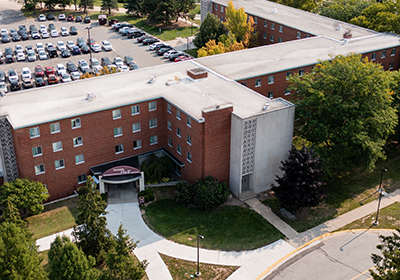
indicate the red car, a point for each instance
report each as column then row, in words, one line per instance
column 49, row 70
column 52, row 79
column 70, row 18
column 39, row 71
column 182, row 58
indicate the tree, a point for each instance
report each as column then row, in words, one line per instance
column 183, row 7
column 210, row 193
column 19, row 258
column 11, row 214
column 86, row 5
column 133, row 6
column 396, row 98
column 120, row 264
column 68, row 262
column 24, row 194
column 344, row 109
column 343, row 10
column 159, row 11
column 95, row 239
column 211, row 48
column 108, row 5
column 301, row 183
column 387, row 266
column 210, row 29
column 305, row 5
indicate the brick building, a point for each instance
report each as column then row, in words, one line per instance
column 207, row 125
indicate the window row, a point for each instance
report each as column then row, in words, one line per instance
column 178, row 115
column 179, row 133
column 59, row 164
column 57, row 146
column 54, row 128
column 116, row 114
column 179, row 149
column 383, row 54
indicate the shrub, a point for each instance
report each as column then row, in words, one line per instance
column 210, row 193
column 184, row 193
column 146, row 192
column 155, row 169
column 149, row 197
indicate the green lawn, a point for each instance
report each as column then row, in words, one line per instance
column 99, row 2
column 55, row 218
column 192, row 52
column 346, row 192
column 196, row 10
column 226, row 228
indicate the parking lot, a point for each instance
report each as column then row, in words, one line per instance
column 122, row 46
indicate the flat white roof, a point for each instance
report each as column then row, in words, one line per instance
column 50, row 103
column 279, row 57
column 307, row 22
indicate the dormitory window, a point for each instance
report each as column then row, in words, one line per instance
column 258, row 82
column 57, row 146
column 75, row 123
column 135, row 110
column 137, row 144
column 81, row 178
column 119, row 148
column 79, row 159
column 383, row 54
column 55, row 127
column 255, row 20
column 288, row 74
column 116, row 114
column 373, row 57
column 280, row 28
column 279, row 40
column 391, row 64
column 216, row 7
column 39, row 169
column 265, row 23
column 169, row 125
column 78, row 141
column 169, row 108
column 37, row 151
column 393, row 53
column 153, row 123
column 179, row 149
column 307, row 36
column 270, row 94
column 153, row 139
column 189, row 139
column 189, row 157
column 178, row 114
column 301, row 72
column 298, row 35
column 272, row 38
column 153, row 106
column 271, row 79
column 118, row 131
column 265, row 35
column 169, row 142
column 244, row 83
column 273, row 26
column 287, row 91
column 136, row 127
column 222, row 9
column 178, row 132
column 34, row 132
column 188, row 121
column 59, row 164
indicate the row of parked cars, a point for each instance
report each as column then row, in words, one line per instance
column 71, row 17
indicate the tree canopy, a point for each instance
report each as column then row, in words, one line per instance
column 343, row 10
column 344, row 109
column 210, row 29
column 306, row 5
column 167, row 10
column 133, row 6
column 108, row 5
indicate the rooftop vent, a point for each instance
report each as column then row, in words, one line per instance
column 266, row 107
column 152, row 79
column 90, row 96
column 347, row 34
column 339, row 27
column 197, row 73
column 275, row 11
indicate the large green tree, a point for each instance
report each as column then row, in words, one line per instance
column 86, row 5
column 19, row 257
column 344, row 109
column 108, row 5
column 24, row 194
column 95, row 239
column 210, row 29
column 306, row 5
column 133, row 6
column 396, row 97
column 159, row 11
column 68, row 262
column 183, row 7
column 343, row 10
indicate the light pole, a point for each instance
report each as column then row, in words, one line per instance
column 380, row 196
column 90, row 49
column 198, row 273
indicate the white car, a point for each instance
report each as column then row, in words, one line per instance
column 168, row 53
column 75, row 76
column 70, row 44
column 54, row 33
column 45, row 35
column 95, row 47
column 95, row 64
column 42, row 55
column 42, row 28
column 61, row 17
column 31, row 56
column 3, row 88
column 61, row 70
column 64, row 31
column 83, row 65
column 35, row 35
column 42, row 17
column 61, row 46
column 106, row 46
column 12, row 75
column 26, row 73
column 65, row 78
column 4, row 32
column 123, row 68
column 39, row 47
column 153, row 46
column 19, row 49
column 118, row 61
column 21, row 57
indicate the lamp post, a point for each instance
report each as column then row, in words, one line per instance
column 380, row 196
column 198, row 273
column 88, row 31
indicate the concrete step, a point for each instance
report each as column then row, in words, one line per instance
column 247, row 195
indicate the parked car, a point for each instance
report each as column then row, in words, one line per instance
column 3, row 32
column 75, row 50
column 150, row 41
column 154, row 45
column 71, row 67
column 175, row 55
column 118, row 61
column 39, row 72
column 52, row 79
column 15, row 85
column 39, row 47
column 73, row 30
column 106, row 45
column 61, row 45
column 168, row 53
column 85, row 49
column 42, row 17
column 134, row 34
column 95, row 64
column 70, row 18
column 19, row 49
column 49, row 70
column 65, row 53
column 95, row 47
column 61, row 17
column 160, row 46
column 9, row 58
column 32, row 27
column 105, row 61
column 50, row 17
column 86, row 19
column 31, row 56
column 5, row 38
column 16, row 37
column 65, row 78
column 78, row 19
column 35, row 35
column 61, row 69
column 45, row 35
column 123, row 68
column 27, row 83
column 70, row 44
column 141, row 38
column 25, row 36
column 75, row 75
column 52, row 26
column 26, row 73
column 3, row 88
column 2, row 76
column 12, row 75
column 42, row 55
column 164, row 50
column 39, row 81
column 54, row 33
column 80, row 42
column 64, row 31
column 21, row 57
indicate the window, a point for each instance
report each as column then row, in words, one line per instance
column 81, row 178
column 222, row 9
column 179, row 149
column 59, row 164
column 301, row 72
column 135, row 110
column 189, row 157
column 77, row 141
column 169, row 108
column 118, row 131
column 221, row 19
column 153, row 139
column 34, row 132
column 307, row 36
column 79, row 159
column 383, row 54
column 178, row 114
column 119, row 148
column 373, row 57
column 57, row 146
column 178, row 132
column 244, row 83
column 137, row 144
column 265, row 23
column 393, row 52
column 298, row 36
column 255, row 20
column 116, row 114
column 273, row 26
column 169, row 125
column 39, row 169
column 270, row 94
column 288, row 74
column 188, row 121
column 189, row 139
column 271, row 79
column 271, row 38
column 313, row 69
column 391, row 64
column 37, row 151
column 279, row 40
column 216, row 7
column 280, row 28
column 265, row 35
column 75, row 123
column 55, row 127
column 153, row 123
column 169, row 142
column 136, row 127
column 152, row 105
column 258, row 82
column 287, row 91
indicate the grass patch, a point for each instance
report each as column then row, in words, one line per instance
column 196, row 10
column 55, row 218
column 99, row 2
column 181, row 269
column 345, row 192
column 192, row 52
column 226, row 228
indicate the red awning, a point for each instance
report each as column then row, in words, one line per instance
column 121, row 170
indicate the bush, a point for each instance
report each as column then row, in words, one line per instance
column 149, row 197
column 146, row 192
column 184, row 193
column 156, row 169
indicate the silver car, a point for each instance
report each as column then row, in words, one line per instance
column 31, row 56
